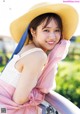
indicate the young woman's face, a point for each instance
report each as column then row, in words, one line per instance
column 46, row 38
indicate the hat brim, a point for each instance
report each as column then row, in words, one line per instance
column 67, row 13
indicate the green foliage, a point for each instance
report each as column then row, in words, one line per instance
column 78, row 39
column 4, row 59
column 68, row 81
column 1, row 68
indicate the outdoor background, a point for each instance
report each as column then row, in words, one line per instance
column 68, row 76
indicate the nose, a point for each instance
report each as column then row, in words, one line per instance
column 52, row 36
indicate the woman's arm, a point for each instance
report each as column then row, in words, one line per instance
column 32, row 68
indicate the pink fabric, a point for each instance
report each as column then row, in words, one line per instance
column 31, row 107
column 44, row 84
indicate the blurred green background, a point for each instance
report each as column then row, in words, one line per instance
column 68, row 76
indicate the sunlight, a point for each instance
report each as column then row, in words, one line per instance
column 12, row 9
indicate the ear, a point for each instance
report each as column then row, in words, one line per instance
column 32, row 32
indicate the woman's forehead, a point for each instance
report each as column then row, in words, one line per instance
column 47, row 23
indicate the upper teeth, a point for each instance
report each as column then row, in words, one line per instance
column 50, row 42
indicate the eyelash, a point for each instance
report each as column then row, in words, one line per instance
column 54, row 31
column 57, row 31
column 46, row 30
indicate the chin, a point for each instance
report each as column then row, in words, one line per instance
column 50, row 48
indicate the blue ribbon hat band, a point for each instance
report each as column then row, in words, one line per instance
column 21, row 43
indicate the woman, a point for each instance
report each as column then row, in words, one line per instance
column 34, row 68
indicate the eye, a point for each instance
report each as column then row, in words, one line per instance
column 45, row 30
column 57, row 30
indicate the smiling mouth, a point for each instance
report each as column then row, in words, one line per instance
column 51, row 42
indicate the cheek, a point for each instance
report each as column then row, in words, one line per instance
column 41, row 36
column 58, row 36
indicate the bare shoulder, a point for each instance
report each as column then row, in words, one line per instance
column 39, row 55
column 34, row 62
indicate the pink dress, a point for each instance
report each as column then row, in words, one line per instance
column 10, row 76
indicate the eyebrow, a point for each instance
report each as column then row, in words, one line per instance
column 50, row 27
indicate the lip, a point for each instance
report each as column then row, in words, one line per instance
column 50, row 42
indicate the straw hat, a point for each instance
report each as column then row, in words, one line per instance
column 67, row 13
